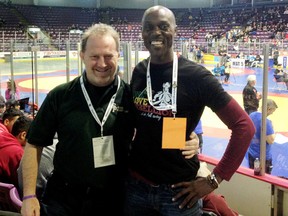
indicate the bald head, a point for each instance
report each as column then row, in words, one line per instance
column 160, row 10
column 158, row 33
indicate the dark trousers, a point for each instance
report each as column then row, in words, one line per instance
column 63, row 199
column 227, row 76
column 268, row 164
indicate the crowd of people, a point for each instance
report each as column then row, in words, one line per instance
column 107, row 147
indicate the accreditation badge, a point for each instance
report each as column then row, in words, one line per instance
column 103, row 151
column 174, row 133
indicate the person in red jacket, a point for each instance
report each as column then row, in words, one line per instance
column 11, row 150
column 11, row 153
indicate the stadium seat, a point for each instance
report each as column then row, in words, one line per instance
column 9, row 198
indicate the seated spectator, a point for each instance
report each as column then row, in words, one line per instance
column 20, row 129
column 2, row 110
column 250, row 60
column 11, row 149
column 256, row 61
column 2, row 100
column 12, row 103
column 8, row 119
column 254, row 148
column 280, row 75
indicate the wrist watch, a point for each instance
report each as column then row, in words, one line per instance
column 214, row 179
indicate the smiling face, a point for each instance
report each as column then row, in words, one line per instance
column 101, row 59
column 158, row 32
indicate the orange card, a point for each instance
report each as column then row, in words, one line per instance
column 174, row 133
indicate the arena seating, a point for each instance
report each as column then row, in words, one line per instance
column 56, row 22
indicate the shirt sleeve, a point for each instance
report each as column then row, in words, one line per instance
column 242, row 127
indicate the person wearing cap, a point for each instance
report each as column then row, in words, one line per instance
column 254, row 148
column 251, row 96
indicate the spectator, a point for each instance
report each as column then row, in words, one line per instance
column 254, row 148
column 275, row 56
column 12, row 103
column 9, row 117
column 20, row 129
column 2, row 100
column 280, row 75
column 2, row 110
column 12, row 91
column 251, row 96
column 153, row 169
column 256, row 61
column 11, row 149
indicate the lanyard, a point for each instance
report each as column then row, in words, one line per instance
column 173, row 105
column 92, row 110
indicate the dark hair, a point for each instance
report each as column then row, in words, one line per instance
column 11, row 113
column 21, row 124
column 11, row 103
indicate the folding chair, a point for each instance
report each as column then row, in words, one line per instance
column 9, row 198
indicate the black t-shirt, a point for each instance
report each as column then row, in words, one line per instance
column 66, row 112
column 196, row 88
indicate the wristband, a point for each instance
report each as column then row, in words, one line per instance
column 29, row 197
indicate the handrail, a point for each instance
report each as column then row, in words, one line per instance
column 274, row 180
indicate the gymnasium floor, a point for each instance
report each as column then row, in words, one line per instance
column 216, row 135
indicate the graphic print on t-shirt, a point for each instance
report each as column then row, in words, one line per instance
column 161, row 98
